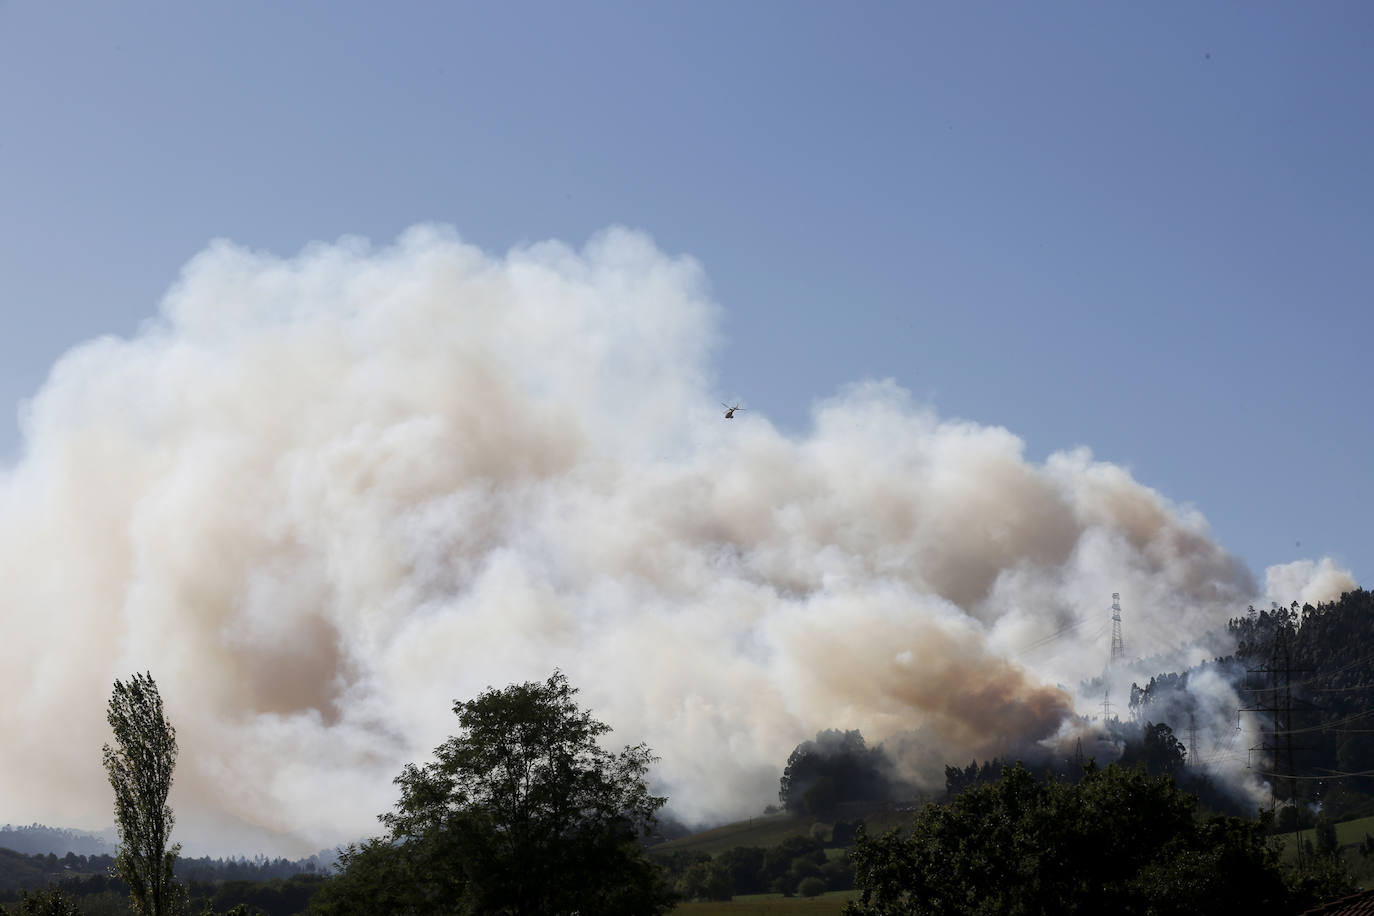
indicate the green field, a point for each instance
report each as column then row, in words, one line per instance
column 770, row 905
column 1348, row 833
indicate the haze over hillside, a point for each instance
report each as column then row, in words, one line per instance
column 321, row 497
column 35, row 839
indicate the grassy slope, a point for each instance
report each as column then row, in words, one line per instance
column 770, row 905
column 1348, row 833
column 771, row 829
column 765, row 830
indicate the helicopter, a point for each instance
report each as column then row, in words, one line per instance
column 730, row 411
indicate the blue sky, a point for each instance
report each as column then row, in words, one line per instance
column 1141, row 228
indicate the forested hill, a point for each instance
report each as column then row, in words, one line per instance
column 35, row 856
column 1324, row 656
column 1308, row 673
column 36, row 839
column 85, row 875
column 18, row 872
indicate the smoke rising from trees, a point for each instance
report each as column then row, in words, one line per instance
column 321, row 497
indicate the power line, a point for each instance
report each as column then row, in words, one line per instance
column 1328, row 726
column 1058, row 634
column 1333, row 774
column 1346, row 667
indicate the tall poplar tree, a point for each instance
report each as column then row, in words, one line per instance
column 140, row 769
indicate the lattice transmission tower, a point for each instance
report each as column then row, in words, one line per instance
column 1276, row 698
column 1118, row 645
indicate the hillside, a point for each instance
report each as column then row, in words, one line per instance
column 771, row 829
column 26, row 872
column 38, row 839
column 1355, row 839
column 1307, row 676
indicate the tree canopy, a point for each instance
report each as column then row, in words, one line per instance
column 836, row 767
column 1158, row 751
column 1326, row 649
column 522, row 812
column 1121, row 841
column 50, row 901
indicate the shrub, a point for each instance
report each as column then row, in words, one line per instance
column 811, row 887
column 50, row 901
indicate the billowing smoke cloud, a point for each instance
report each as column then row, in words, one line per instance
column 1306, row 582
column 321, row 498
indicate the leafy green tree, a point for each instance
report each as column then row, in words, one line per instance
column 1121, row 841
column 957, row 780
column 379, row 876
column 786, row 864
column 707, row 880
column 50, row 901
column 821, row 798
column 140, row 768
column 522, row 813
column 745, row 866
column 676, row 863
column 838, row 874
column 1316, row 880
column 1158, row 751
column 835, row 767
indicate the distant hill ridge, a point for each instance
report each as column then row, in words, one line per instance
column 38, row 839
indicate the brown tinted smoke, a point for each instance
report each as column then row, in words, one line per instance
column 320, row 498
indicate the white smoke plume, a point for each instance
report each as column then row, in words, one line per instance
column 1306, row 582
column 322, row 497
